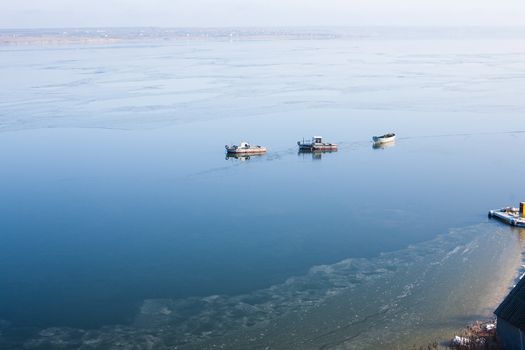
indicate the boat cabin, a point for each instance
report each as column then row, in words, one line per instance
column 316, row 144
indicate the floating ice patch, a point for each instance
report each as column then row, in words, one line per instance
column 357, row 303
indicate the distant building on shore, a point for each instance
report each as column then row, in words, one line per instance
column 511, row 319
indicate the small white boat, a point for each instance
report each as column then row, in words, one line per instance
column 245, row 148
column 511, row 216
column 316, row 144
column 390, row 137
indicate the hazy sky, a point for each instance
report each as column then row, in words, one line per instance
column 212, row 13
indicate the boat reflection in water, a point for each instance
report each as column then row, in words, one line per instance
column 316, row 154
column 520, row 231
column 383, row 145
column 242, row 157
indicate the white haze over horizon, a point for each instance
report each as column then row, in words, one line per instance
column 245, row 13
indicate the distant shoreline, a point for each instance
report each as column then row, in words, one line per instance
column 102, row 36
column 147, row 35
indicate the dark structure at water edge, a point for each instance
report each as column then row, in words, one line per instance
column 511, row 318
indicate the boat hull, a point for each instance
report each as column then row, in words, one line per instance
column 382, row 139
column 246, row 150
column 314, row 147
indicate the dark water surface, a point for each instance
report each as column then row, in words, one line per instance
column 121, row 221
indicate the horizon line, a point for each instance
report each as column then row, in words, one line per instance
column 466, row 26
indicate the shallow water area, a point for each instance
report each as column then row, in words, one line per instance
column 417, row 295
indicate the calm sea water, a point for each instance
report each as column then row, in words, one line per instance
column 122, row 222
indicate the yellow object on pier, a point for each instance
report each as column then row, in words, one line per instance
column 522, row 209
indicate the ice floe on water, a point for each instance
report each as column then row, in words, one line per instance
column 234, row 80
column 417, row 294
